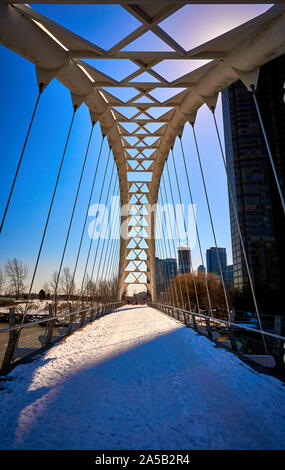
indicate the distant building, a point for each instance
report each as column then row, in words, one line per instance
column 160, row 275
column 228, row 274
column 140, row 297
column 166, row 269
column 213, row 262
column 170, row 268
column 201, row 268
column 184, row 259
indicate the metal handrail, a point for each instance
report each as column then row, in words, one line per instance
column 218, row 320
column 55, row 317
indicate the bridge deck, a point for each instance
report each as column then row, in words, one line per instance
column 137, row 379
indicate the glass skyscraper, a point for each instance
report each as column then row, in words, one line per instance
column 213, row 262
column 184, row 259
column 252, row 183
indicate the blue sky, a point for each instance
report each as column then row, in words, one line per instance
column 24, row 223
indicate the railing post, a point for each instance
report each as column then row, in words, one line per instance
column 279, row 352
column 194, row 319
column 91, row 314
column 231, row 336
column 13, row 338
column 71, row 319
column 186, row 319
column 50, row 327
column 208, row 326
column 83, row 317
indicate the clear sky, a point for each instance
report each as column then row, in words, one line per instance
column 104, row 25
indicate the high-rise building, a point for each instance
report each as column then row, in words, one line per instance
column 228, row 275
column 201, row 268
column 252, row 183
column 184, row 259
column 166, row 269
column 160, row 275
column 212, row 255
column 170, row 268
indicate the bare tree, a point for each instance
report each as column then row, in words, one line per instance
column 16, row 273
column 2, row 280
column 52, row 282
column 67, row 283
column 47, row 288
column 106, row 290
column 89, row 287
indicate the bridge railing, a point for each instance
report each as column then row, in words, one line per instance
column 240, row 338
column 21, row 342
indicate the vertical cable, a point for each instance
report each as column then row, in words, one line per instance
column 268, row 147
column 109, row 255
column 93, row 231
column 173, row 245
column 41, row 87
column 101, row 228
column 102, row 225
column 164, row 254
column 212, row 223
column 102, row 249
column 180, row 200
column 238, row 227
column 179, row 240
column 172, row 235
column 87, row 211
column 196, row 227
column 49, row 213
column 72, row 215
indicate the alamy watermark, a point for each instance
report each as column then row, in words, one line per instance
column 136, row 221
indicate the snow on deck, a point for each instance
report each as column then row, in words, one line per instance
column 137, row 379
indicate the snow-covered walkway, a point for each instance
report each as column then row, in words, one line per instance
column 137, row 379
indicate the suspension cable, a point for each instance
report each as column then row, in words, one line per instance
column 102, row 248
column 164, row 255
column 41, row 87
column 115, row 266
column 99, row 238
column 108, row 267
column 87, row 211
column 158, row 248
column 116, row 249
column 108, row 260
column 196, row 226
column 49, row 213
column 72, row 215
column 180, row 200
column 115, row 261
column 102, row 225
column 93, row 231
column 172, row 236
column 211, row 221
column 268, row 147
column 235, row 211
column 179, row 239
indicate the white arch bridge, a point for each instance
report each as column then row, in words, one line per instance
column 140, row 117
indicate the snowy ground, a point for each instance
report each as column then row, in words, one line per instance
column 137, row 379
column 39, row 307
